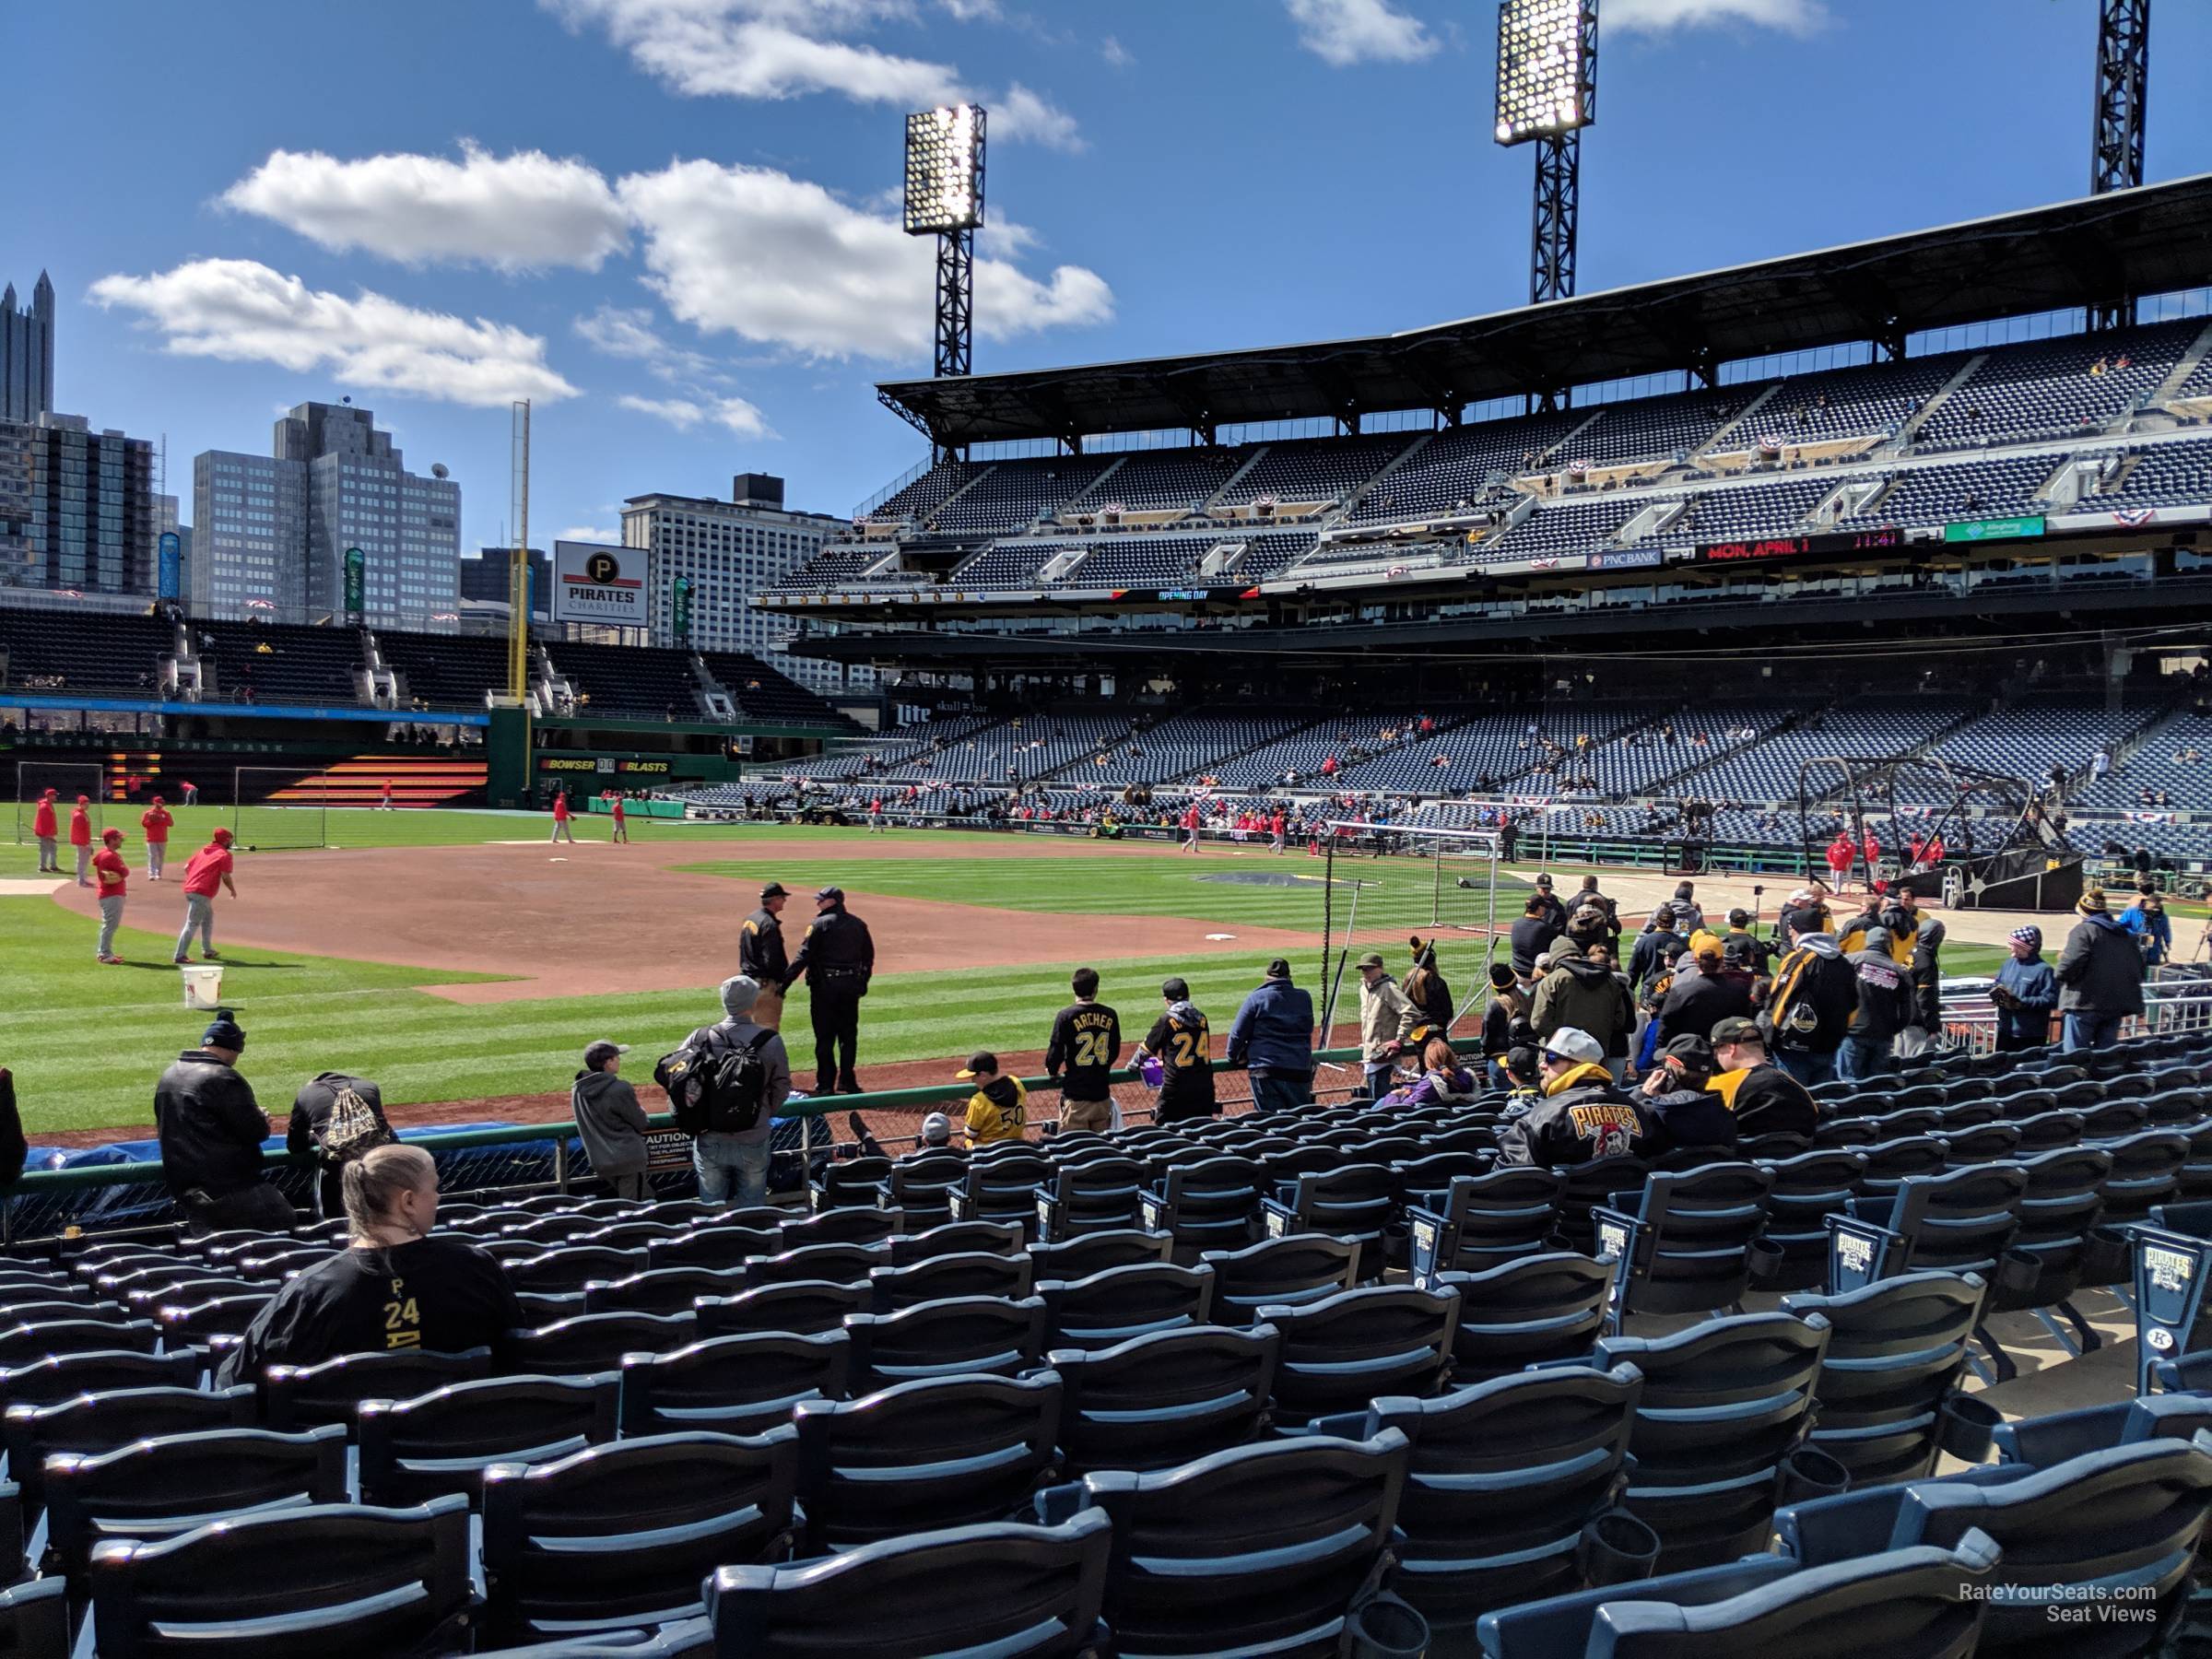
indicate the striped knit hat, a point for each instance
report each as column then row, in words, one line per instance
column 2030, row 935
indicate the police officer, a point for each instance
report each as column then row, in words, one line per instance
column 760, row 956
column 839, row 954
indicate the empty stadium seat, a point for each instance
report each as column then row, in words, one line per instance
column 743, row 1385
column 1160, row 1400
column 1345, row 1349
column 442, row 1442
column 960, row 1335
column 1526, row 1312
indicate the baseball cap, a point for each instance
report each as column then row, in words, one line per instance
column 1279, row 969
column 937, row 1129
column 1569, row 1043
column 1739, row 917
column 112, row 836
column 1705, row 941
column 829, row 892
column 598, row 1053
column 1737, row 1029
column 774, row 889
column 1371, row 959
column 222, row 837
column 1689, row 1054
column 1544, row 881
column 1502, row 976
column 983, row 1060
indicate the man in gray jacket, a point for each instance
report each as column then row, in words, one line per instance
column 610, row 1121
column 732, row 1165
column 2099, row 976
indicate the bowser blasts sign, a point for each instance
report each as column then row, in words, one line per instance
column 596, row 584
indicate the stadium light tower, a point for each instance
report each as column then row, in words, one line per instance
column 1547, row 94
column 945, row 199
column 2116, row 136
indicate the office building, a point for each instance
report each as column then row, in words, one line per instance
column 272, row 532
column 27, row 353
column 76, row 508
column 729, row 551
column 483, row 593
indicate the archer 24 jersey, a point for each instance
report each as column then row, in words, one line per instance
column 1087, row 1040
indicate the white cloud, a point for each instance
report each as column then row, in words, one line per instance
column 523, row 211
column 590, row 533
column 1659, row 17
column 629, row 333
column 777, row 49
column 1344, row 32
column 1022, row 114
column 753, row 252
column 1117, row 56
column 239, row 311
column 683, row 413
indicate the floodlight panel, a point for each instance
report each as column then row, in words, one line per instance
column 945, row 169
column 1543, row 68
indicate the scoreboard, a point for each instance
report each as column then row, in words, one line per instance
column 1765, row 548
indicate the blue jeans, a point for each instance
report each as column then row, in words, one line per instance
column 1280, row 1091
column 2089, row 1030
column 1378, row 1077
column 730, row 1170
column 1858, row 1059
column 1806, row 1066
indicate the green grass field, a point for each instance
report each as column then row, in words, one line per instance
column 87, row 1041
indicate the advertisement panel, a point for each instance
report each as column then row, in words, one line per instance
column 170, row 578
column 593, row 583
column 1626, row 559
column 1996, row 529
column 1800, row 546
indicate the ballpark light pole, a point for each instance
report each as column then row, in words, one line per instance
column 2116, row 133
column 945, row 199
column 1546, row 94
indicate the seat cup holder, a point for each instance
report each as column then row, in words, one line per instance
column 1617, row 1548
column 1385, row 1628
column 1808, row 1473
column 1765, row 1259
column 2107, row 1256
column 1969, row 1424
column 2018, row 1272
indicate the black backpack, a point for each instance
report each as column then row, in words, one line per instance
column 716, row 1087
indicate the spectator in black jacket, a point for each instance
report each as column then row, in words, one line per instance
column 1700, row 1001
column 1810, row 1008
column 1534, row 933
column 761, row 955
column 1552, row 907
column 2099, row 976
column 1764, row 1099
column 211, row 1130
column 1582, row 1115
column 1684, row 1113
column 1885, row 987
column 1504, row 1022
column 308, row 1127
column 1656, row 949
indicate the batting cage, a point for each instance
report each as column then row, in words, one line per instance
column 67, row 780
column 1387, row 882
column 279, row 807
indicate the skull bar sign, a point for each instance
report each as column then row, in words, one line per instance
column 596, row 583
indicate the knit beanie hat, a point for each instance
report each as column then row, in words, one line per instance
column 2030, row 935
column 223, row 1032
column 2092, row 902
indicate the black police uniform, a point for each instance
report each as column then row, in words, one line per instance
column 838, row 956
column 761, row 955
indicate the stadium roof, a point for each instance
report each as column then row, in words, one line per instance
column 2155, row 239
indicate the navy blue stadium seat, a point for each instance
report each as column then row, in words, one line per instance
column 597, row 1342
column 801, row 1307
column 2041, row 1441
column 960, row 1335
column 307, row 1397
column 34, row 1620
column 1539, row 1308
column 93, row 1423
column 1264, row 1548
column 743, row 1385
column 1344, row 1351
column 1095, row 1195
column 937, row 1277
column 1684, row 1247
column 946, row 1451
column 721, row 1248
column 1111, row 1307
column 1296, row 1267
column 1094, row 1252
column 442, row 1442
column 1012, row 1591
column 1485, row 1221
column 1210, row 1203
column 841, row 1263
column 626, row 1534
column 661, row 1290
column 357, row 1582
column 955, row 1238
column 1791, row 1253
column 1160, row 1400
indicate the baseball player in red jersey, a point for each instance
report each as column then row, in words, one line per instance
column 621, row 818
column 46, row 829
column 1190, row 827
column 155, row 820
column 388, row 804
column 81, row 837
column 205, row 871
column 1276, row 824
column 113, row 872
column 560, row 817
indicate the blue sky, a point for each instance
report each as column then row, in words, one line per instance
column 668, row 221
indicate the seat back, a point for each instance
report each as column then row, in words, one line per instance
column 1540, row 1307
column 1584, row 1187
column 1961, row 1223
column 1111, row 1307
column 1486, row 1221
column 1890, row 1162
column 1094, row 1252
column 943, row 1452
column 1342, row 1352
column 1160, row 1400
column 566, row 1270
column 1896, row 1352
column 743, row 1385
column 355, row 1581
column 597, row 1342
column 2146, row 1172
column 801, row 1307
column 442, row 1442
column 1685, row 1248
column 850, row 1225
column 838, row 1263
column 1723, row 1405
column 1008, row 1591
column 307, row 1397
column 1503, row 1477
column 625, row 1535
column 661, row 1290
column 937, row 1278
column 712, row 1246
column 955, row 1238
column 1209, row 1203
column 857, row 1181
column 1296, row 1267
column 1095, row 1195
column 1262, row 1549
column 1352, row 1200
column 25, row 1345
column 49, row 1380
column 157, row 1489
column 923, row 1185
column 1804, row 1191
column 957, row 1336
column 93, row 1423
